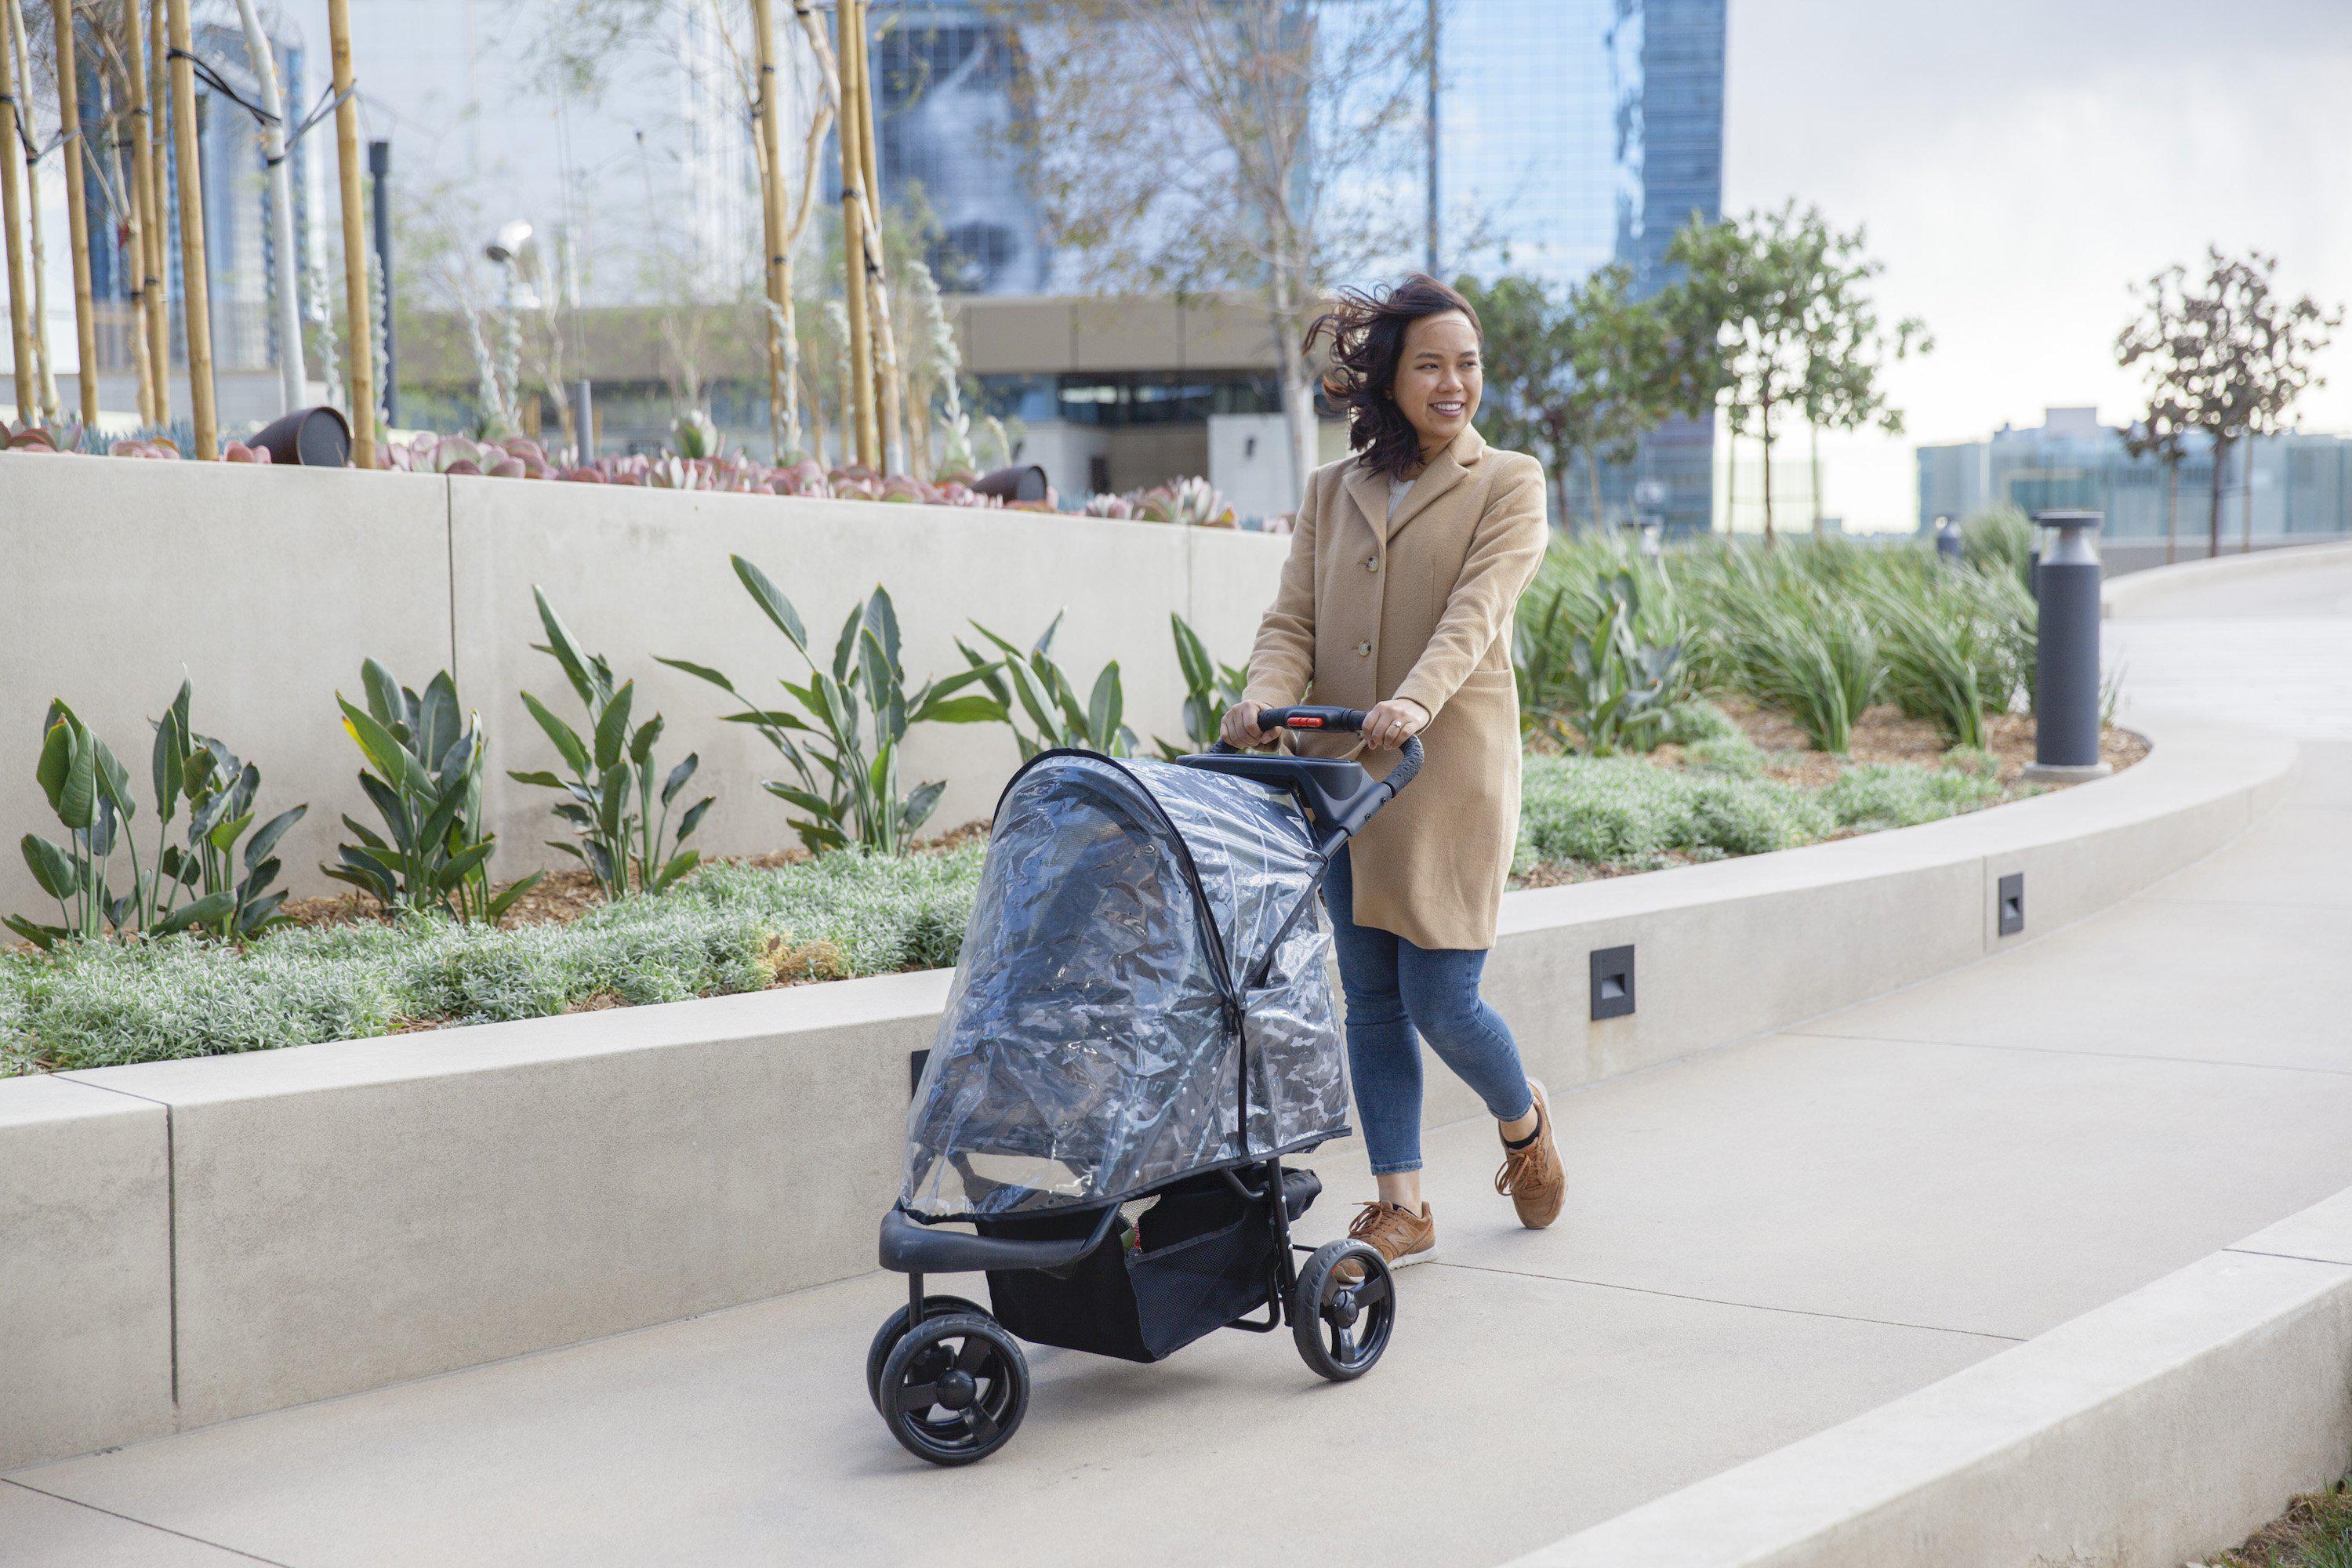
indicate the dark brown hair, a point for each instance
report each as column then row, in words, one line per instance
column 1367, row 332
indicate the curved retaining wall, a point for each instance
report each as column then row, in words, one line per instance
column 184, row 1242
column 2149, row 1431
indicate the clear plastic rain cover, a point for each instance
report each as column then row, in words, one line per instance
column 1087, row 1054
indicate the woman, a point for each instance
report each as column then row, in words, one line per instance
column 1397, row 599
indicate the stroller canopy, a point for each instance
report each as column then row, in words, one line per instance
column 1103, row 1036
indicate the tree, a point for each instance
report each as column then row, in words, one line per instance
column 2159, row 434
column 1190, row 145
column 2228, row 354
column 1585, row 378
column 1792, row 325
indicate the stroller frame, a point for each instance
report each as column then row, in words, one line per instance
column 944, row 1354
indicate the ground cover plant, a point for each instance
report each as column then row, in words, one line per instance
column 727, row 928
column 2315, row 1531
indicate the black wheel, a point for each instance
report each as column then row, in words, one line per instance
column 1341, row 1326
column 955, row 1388
column 893, row 1329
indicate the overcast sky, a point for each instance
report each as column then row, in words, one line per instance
column 2019, row 162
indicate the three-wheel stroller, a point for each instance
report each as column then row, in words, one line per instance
column 1140, row 1030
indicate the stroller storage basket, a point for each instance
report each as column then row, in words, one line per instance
column 1204, row 1257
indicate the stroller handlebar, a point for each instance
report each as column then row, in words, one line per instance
column 1345, row 720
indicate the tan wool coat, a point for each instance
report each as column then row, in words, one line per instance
column 1418, row 606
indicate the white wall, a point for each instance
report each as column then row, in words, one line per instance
column 268, row 588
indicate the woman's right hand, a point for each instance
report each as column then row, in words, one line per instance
column 1240, row 727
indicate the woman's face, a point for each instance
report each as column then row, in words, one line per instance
column 1438, row 377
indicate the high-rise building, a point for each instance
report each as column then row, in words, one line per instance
column 1571, row 134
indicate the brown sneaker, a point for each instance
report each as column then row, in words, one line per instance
column 1532, row 1177
column 1395, row 1231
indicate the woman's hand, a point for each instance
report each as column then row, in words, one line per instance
column 1239, row 726
column 1391, row 724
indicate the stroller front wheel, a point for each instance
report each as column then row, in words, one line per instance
column 893, row 1329
column 1341, row 1326
column 955, row 1388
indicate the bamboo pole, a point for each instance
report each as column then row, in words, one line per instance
column 196, row 290
column 860, row 415
column 285, row 292
column 159, row 211
column 45, row 370
column 777, row 272
column 20, row 327
column 884, row 349
column 356, row 282
column 77, row 212
column 148, row 294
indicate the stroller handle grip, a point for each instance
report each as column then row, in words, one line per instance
column 1345, row 720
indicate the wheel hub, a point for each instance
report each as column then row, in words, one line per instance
column 958, row 1390
column 1343, row 1310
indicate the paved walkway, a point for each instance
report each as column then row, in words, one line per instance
column 1760, row 1242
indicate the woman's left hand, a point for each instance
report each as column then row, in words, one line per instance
column 1391, row 724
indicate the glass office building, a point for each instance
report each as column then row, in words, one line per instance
column 2300, row 485
column 1571, row 134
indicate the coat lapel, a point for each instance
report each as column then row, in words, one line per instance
column 1370, row 492
column 1447, row 469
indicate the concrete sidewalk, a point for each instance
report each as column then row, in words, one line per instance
column 1760, row 1242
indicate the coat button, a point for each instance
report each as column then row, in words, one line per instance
column 1363, row 650
column 1372, row 563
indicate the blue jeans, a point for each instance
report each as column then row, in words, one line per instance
column 1394, row 988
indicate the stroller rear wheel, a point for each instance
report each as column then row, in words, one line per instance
column 893, row 1329
column 1340, row 1326
column 955, row 1388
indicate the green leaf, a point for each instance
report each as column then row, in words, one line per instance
column 567, row 741
column 505, row 901
column 77, row 801
column 693, row 819
column 544, row 779
column 57, row 762
column 772, row 602
column 680, row 864
column 566, row 651
column 465, row 863
column 438, row 718
column 882, row 618
column 46, row 938
column 271, row 832
column 823, row 810
column 204, row 911
column 164, row 763
column 1105, row 707
column 225, row 833
column 114, row 780
column 1046, row 639
column 261, row 912
column 1192, row 655
column 777, row 717
column 641, row 749
column 52, row 867
column 974, row 710
column 384, row 698
column 613, row 729
column 392, row 759
column 677, row 777
column 700, row 672
column 844, row 647
column 920, row 804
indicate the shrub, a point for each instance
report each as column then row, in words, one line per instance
column 851, row 719
column 609, row 800
column 1734, row 754
column 1587, row 676
column 1879, row 796
column 1614, row 810
column 1688, row 723
column 1033, row 684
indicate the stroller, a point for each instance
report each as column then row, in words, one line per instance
column 1140, row 1030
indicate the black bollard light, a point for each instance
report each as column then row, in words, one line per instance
column 2066, row 652
column 1024, row 481
column 312, row 438
column 1947, row 540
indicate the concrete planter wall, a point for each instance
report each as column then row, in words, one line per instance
column 183, row 1242
column 268, row 587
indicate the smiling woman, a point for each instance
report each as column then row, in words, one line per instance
column 1406, row 560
